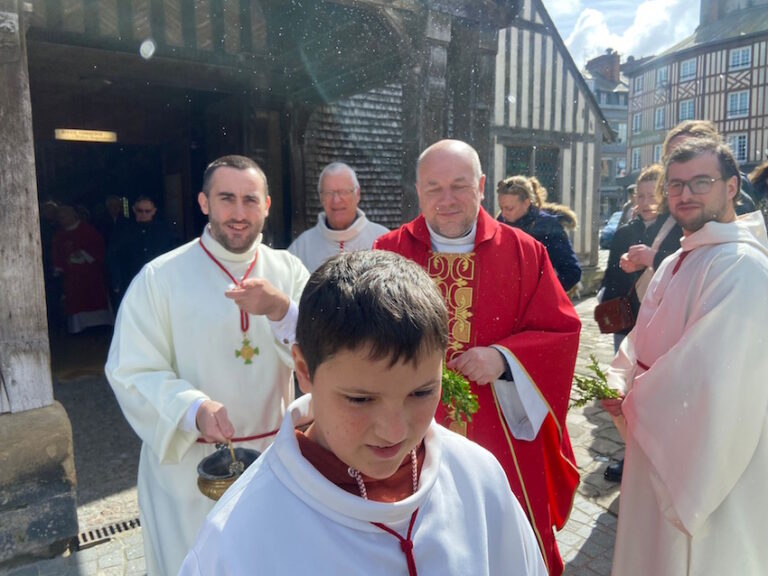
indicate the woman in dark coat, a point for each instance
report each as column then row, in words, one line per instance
column 631, row 252
column 523, row 206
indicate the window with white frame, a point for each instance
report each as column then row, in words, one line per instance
column 738, row 104
column 738, row 145
column 637, row 122
column 740, row 58
column 660, row 118
column 686, row 110
column 657, row 148
column 621, row 167
column 622, row 132
column 688, row 69
column 637, row 162
column 638, row 84
column 662, row 76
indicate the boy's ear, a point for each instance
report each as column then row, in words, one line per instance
column 301, row 369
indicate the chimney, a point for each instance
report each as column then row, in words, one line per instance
column 606, row 66
column 709, row 12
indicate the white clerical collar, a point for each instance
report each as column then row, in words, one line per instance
column 352, row 231
column 461, row 245
column 222, row 253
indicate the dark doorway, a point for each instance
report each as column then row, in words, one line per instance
column 82, row 173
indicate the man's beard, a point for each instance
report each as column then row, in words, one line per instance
column 218, row 232
column 706, row 216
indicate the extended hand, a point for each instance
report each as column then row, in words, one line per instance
column 260, row 297
column 628, row 265
column 213, row 423
column 482, row 365
column 612, row 405
column 641, row 255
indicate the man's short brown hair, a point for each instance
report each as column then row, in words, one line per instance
column 232, row 161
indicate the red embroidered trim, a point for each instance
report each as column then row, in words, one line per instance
column 242, row 438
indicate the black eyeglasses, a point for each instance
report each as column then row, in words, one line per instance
column 700, row 185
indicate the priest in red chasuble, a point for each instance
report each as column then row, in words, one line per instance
column 514, row 332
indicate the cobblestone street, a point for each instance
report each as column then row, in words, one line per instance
column 107, row 455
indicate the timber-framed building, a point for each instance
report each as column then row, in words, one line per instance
column 720, row 73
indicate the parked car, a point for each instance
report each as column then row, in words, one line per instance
column 609, row 230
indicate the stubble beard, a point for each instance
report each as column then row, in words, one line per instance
column 219, row 234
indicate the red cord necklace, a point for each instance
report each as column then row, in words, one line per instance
column 406, row 544
column 246, row 351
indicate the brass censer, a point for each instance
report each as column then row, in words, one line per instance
column 217, row 472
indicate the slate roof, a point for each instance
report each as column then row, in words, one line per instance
column 739, row 24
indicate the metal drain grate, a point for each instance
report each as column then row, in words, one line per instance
column 105, row 534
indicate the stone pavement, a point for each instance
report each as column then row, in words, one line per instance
column 107, row 483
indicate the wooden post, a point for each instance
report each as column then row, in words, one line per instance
column 38, row 515
column 25, row 378
column 424, row 98
column 472, row 65
column 297, row 120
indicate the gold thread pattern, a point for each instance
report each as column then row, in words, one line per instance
column 453, row 274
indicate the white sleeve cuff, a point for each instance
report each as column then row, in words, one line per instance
column 285, row 328
column 522, row 406
column 189, row 422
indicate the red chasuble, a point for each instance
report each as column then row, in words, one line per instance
column 506, row 293
column 84, row 286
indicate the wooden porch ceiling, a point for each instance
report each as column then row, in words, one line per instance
column 307, row 51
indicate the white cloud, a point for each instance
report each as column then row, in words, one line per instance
column 591, row 36
column 657, row 25
column 560, row 8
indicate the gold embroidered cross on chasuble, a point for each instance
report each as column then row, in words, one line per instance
column 454, row 275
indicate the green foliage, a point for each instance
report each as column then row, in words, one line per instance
column 457, row 396
column 592, row 387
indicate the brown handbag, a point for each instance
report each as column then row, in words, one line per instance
column 615, row 315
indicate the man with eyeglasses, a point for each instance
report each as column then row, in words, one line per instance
column 513, row 333
column 341, row 226
column 691, row 376
column 134, row 245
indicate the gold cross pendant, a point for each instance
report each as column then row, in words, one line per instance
column 246, row 351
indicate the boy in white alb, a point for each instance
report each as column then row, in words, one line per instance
column 373, row 486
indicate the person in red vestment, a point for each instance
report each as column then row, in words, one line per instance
column 514, row 332
column 78, row 255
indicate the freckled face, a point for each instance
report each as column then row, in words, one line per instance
column 368, row 413
column 237, row 206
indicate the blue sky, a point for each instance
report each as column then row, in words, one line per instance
column 632, row 27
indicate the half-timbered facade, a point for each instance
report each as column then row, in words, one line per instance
column 546, row 122
column 720, row 73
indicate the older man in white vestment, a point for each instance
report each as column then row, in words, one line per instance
column 341, row 226
column 188, row 364
column 693, row 374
